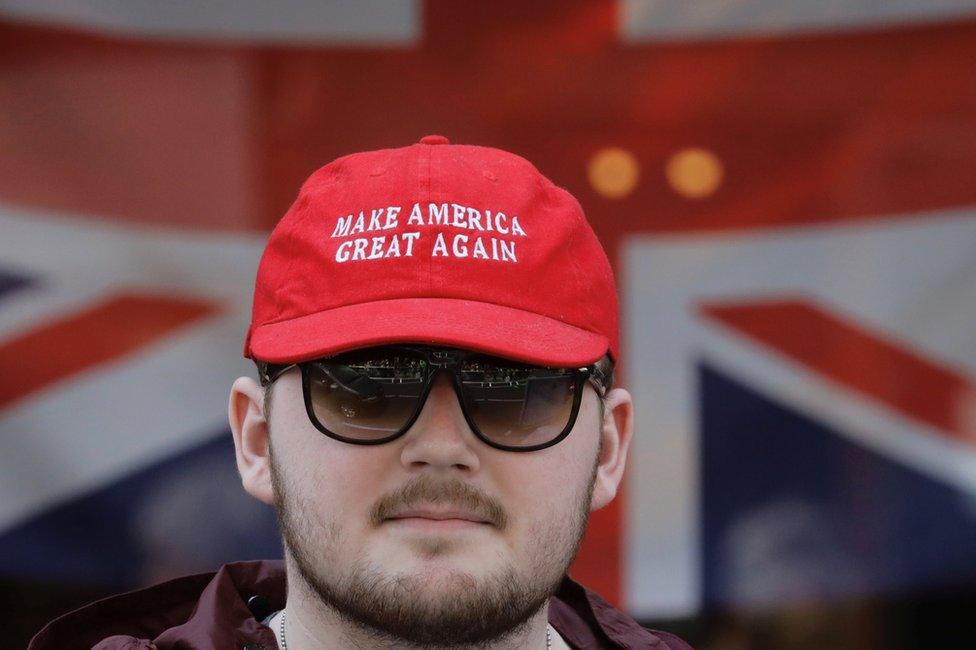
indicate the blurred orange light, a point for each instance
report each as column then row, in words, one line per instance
column 694, row 173
column 613, row 172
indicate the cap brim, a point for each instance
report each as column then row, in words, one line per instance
column 493, row 329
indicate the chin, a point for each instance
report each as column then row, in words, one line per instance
column 440, row 584
column 450, row 567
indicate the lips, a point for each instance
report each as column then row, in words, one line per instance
column 440, row 515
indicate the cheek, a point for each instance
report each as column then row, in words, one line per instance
column 545, row 490
column 335, row 482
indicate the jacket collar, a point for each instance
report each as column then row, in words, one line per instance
column 211, row 610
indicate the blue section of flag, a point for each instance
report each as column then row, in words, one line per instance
column 792, row 511
column 187, row 514
column 11, row 281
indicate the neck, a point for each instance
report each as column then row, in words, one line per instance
column 311, row 624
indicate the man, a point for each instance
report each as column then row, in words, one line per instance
column 435, row 329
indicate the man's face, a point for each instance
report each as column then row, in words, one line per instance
column 384, row 534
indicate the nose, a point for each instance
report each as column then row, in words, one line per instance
column 441, row 439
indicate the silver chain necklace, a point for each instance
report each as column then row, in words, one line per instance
column 281, row 632
column 284, row 645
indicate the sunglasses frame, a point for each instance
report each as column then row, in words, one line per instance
column 443, row 359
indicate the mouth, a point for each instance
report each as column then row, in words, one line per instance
column 438, row 520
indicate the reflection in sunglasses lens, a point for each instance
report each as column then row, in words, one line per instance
column 371, row 398
column 518, row 406
column 366, row 399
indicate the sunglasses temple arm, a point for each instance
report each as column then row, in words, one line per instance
column 269, row 372
column 600, row 374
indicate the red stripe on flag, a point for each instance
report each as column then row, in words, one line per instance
column 599, row 564
column 72, row 344
column 809, row 129
column 859, row 359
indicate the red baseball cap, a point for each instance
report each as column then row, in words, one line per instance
column 434, row 243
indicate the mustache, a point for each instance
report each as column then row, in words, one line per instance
column 454, row 493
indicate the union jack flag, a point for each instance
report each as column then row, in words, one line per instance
column 785, row 190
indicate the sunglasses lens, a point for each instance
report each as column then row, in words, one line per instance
column 366, row 399
column 518, row 406
column 371, row 396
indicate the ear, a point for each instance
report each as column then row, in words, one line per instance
column 616, row 432
column 252, row 444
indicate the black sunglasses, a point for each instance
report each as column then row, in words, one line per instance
column 374, row 395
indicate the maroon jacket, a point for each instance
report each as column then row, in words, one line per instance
column 210, row 610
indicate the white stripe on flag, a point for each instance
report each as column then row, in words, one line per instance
column 654, row 20
column 355, row 22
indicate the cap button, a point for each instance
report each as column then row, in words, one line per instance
column 434, row 139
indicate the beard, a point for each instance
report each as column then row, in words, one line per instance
column 450, row 609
